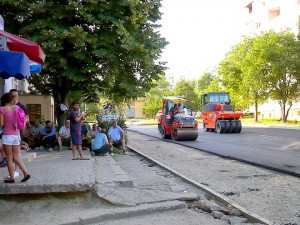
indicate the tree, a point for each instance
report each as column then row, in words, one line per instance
column 262, row 67
column 241, row 75
column 95, row 46
column 153, row 98
column 187, row 89
column 282, row 59
column 204, row 81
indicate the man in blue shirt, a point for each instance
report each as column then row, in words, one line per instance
column 100, row 144
column 116, row 136
column 48, row 136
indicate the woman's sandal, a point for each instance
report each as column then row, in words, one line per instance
column 10, row 181
column 26, row 178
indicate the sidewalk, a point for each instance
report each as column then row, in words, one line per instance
column 141, row 195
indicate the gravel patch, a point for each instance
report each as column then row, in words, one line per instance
column 272, row 195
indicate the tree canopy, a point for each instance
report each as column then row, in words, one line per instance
column 187, row 89
column 153, row 98
column 107, row 46
column 262, row 67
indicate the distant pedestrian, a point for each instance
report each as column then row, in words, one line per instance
column 75, row 129
column 11, row 138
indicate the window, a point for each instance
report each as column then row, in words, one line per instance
column 34, row 111
column 274, row 12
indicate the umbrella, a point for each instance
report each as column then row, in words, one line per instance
column 14, row 64
column 35, row 67
column 33, row 50
column 175, row 99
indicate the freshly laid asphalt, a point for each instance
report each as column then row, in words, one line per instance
column 132, row 200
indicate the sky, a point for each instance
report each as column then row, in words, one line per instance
column 199, row 33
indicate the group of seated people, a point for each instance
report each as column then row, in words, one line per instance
column 39, row 137
column 103, row 142
column 97, row 140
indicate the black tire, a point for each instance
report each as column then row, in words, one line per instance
column 159, row 127
column 220, row 127
column 239, row 126
column 163, row 134
column 233, row 125
column 227, row 126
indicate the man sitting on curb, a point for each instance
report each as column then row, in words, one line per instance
column 36, row 129
column 100, row 145
column 49, row 136
column 64, row 135
column 116, row 136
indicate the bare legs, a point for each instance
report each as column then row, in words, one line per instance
column 59, row 143
column 79, row 148
column 12, row 153
column 59, row 140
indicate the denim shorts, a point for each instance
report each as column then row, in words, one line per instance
column 11, row 140
column 76, row 138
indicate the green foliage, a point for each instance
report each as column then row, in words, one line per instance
column 262, row 67
column 110, row 47
column 204, row 81
column 187, row 89
column 153, row 98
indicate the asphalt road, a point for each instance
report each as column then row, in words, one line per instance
column 270, row 147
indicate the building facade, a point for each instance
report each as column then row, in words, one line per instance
column 38, row 106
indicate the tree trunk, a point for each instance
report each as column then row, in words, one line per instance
column 256, row 110
column 62, row 116
column 61, row 97
column 285, row 115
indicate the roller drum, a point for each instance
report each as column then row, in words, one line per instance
column 184, row 134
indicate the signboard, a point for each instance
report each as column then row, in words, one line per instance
column 3, row 45
column 1, row 23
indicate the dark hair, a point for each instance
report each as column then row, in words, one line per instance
column 75, row 102
column 6, row 98
column 13, row 90
column 48, row 121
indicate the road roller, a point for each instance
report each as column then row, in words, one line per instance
column 218, row 114
column 177, row 123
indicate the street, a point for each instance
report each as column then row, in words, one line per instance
column 269, row 147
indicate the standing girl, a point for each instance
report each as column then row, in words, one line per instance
column 11, row 138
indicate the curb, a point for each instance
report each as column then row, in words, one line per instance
column 140, row 210
column 218, row 197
